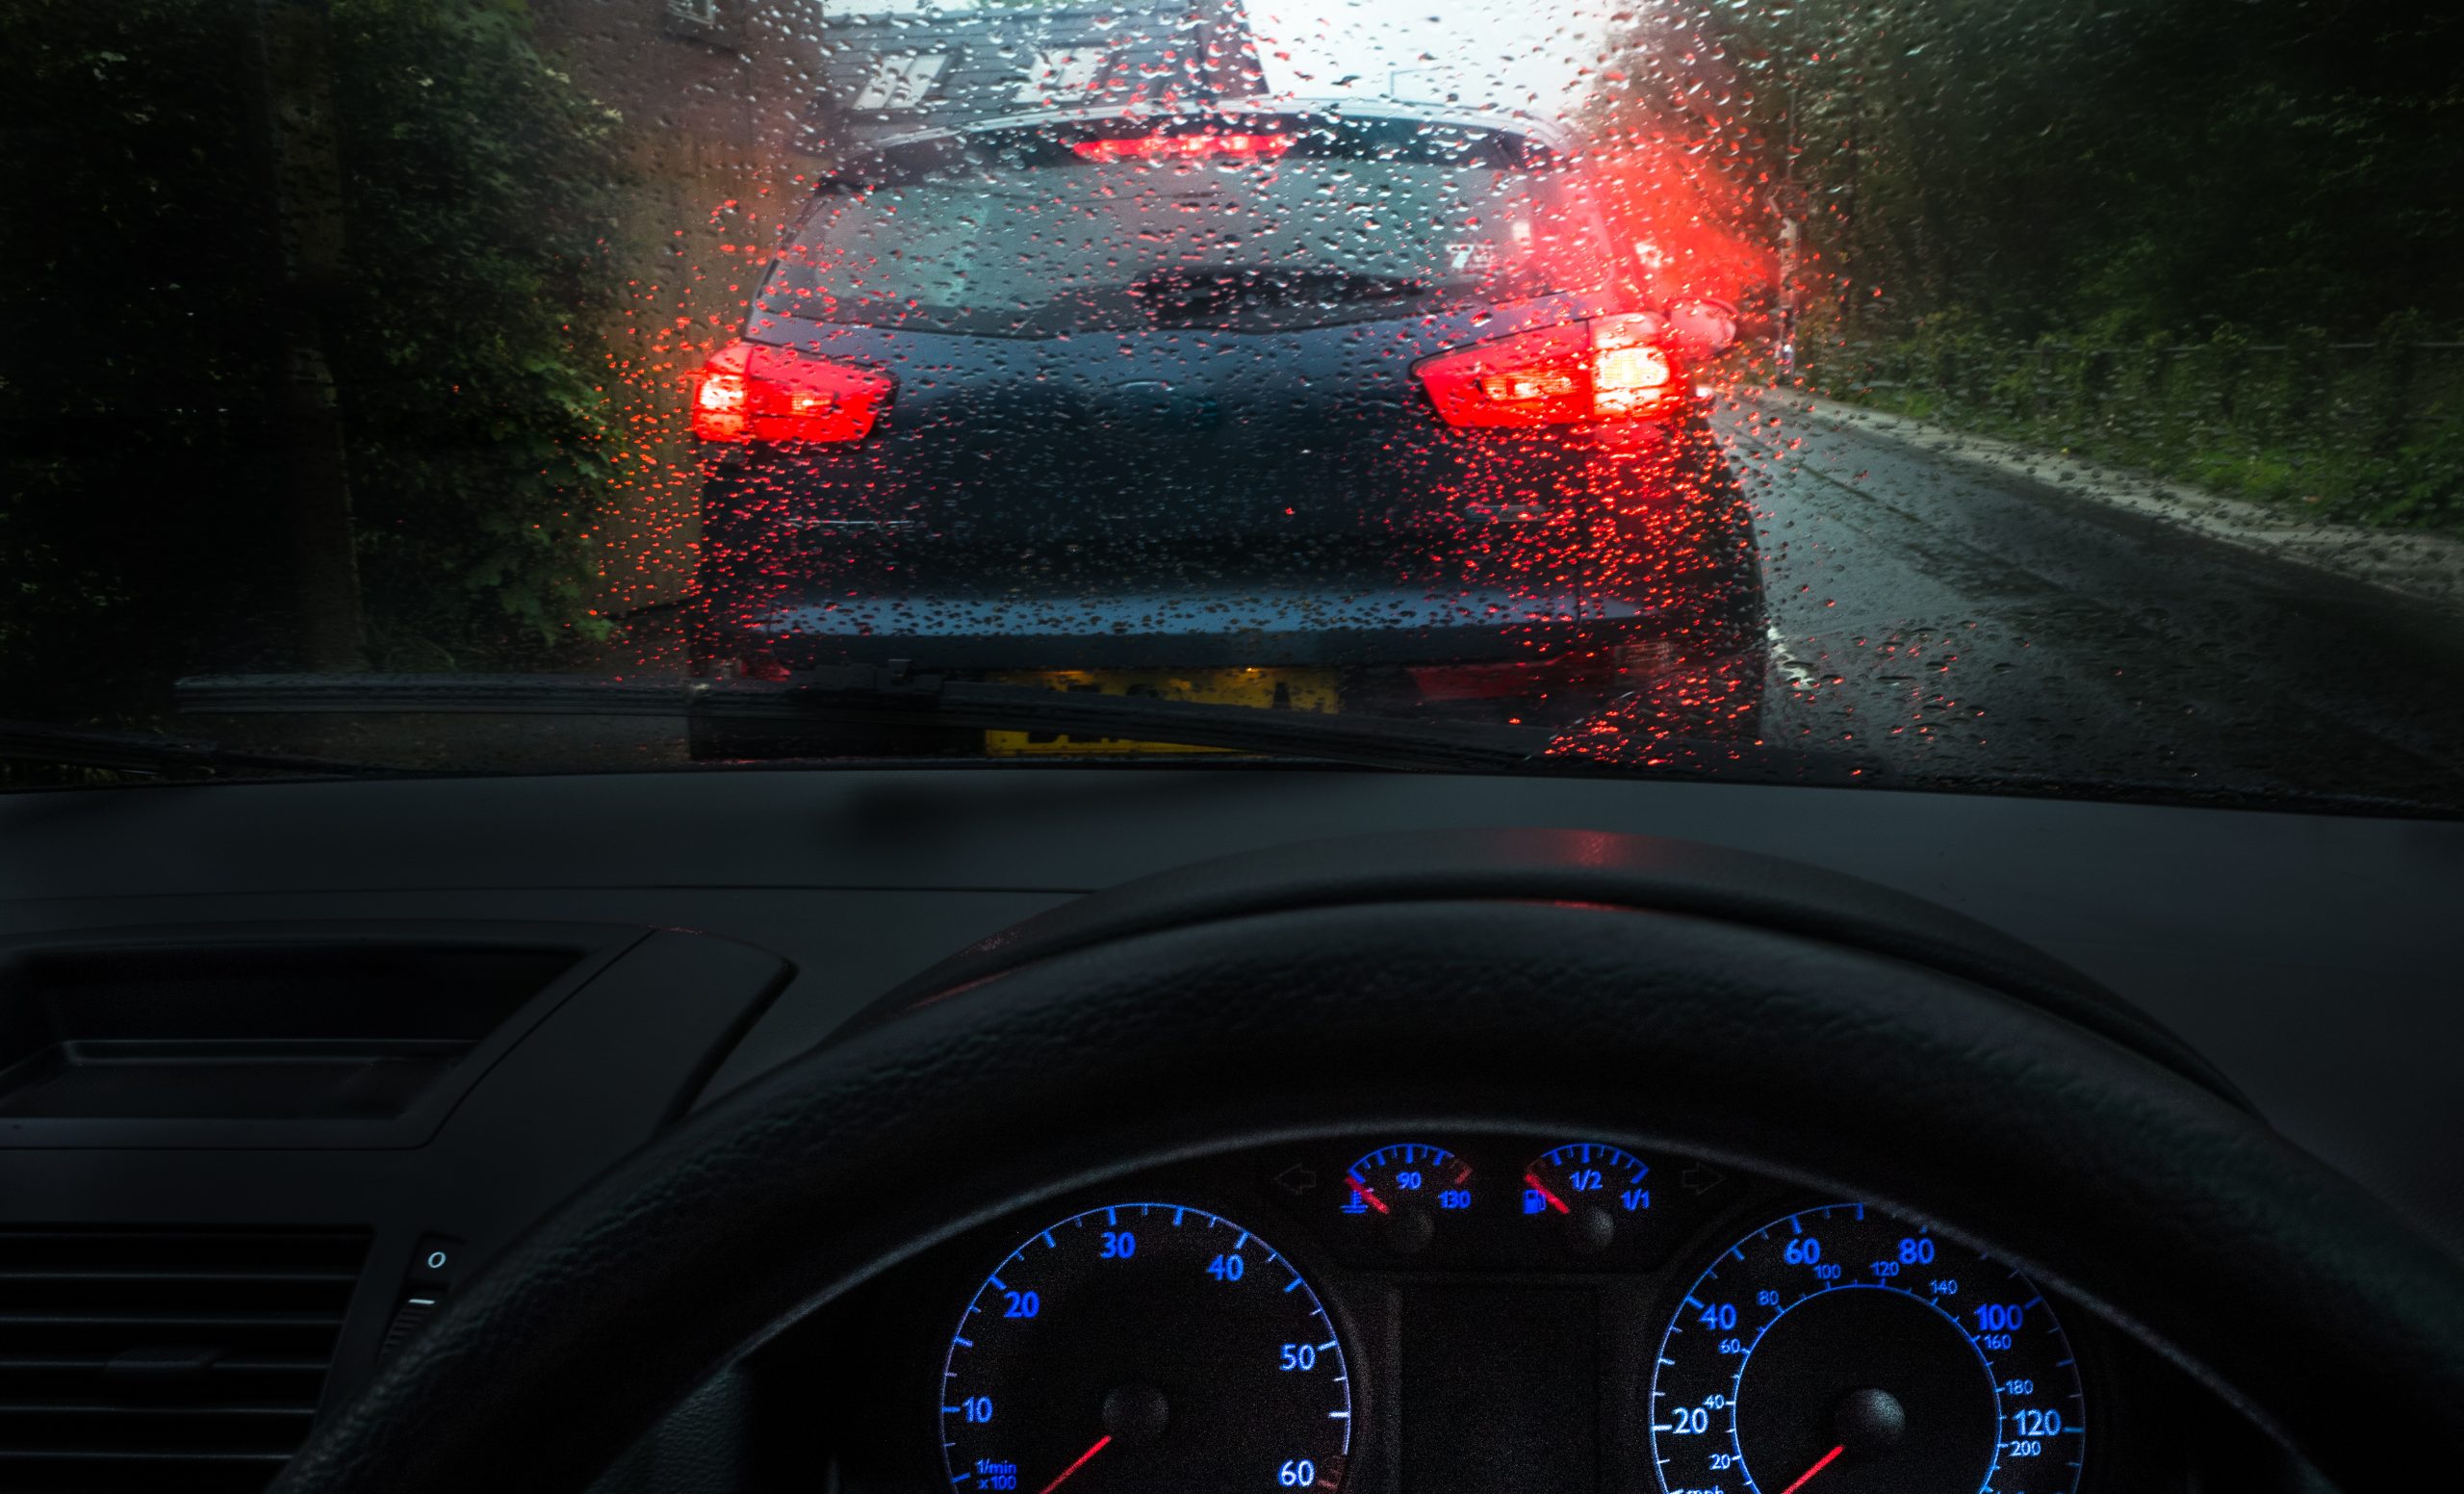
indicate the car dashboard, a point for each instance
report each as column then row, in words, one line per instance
column 1457, row 1314
column 284, row 1067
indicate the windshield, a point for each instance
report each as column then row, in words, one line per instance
column 2015, row 395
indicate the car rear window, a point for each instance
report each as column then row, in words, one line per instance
column 1242, row 223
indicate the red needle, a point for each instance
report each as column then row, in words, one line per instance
column 1554, row 1202
column 1105, row 1441
column 1366, row 1196
column 1820, row 1463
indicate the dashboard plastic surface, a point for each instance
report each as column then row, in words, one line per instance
column 2308, row 956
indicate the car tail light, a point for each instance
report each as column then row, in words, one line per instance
column 753, row 392
column 1182, row 148
column 1606, row 367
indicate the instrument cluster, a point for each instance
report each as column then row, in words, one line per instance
column 1162, row 1342
column 1477, row 1313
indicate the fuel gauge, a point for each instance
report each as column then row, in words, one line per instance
column 1585, row 1190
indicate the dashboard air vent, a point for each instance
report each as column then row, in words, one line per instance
column 164, row 1360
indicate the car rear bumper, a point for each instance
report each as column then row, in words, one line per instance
column 1263, row 627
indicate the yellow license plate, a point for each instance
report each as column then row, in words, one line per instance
column 1289, row 690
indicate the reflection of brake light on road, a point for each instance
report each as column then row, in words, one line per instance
column 751, row 392
column 1607, row 368
column 1183, row 147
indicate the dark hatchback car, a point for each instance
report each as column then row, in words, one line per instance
column 1344, row 409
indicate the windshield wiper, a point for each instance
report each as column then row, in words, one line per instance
column 155, row 755
column 891, row 695
column 897, row 695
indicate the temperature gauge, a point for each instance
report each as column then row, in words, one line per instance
column 1405, row 1188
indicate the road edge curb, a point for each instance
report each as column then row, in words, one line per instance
column 2421, row 568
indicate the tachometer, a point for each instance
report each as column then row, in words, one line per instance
column 1841, row 1351
column 1145, row 1346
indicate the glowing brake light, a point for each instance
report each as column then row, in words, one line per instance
column 1606, row 368
column 1182, row 148
column 754, row 392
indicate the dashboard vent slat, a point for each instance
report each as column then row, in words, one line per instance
column 165, row 1359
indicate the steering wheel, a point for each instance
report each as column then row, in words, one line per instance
column 1748, row 1010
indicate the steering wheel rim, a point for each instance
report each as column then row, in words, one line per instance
column 1042, row 1066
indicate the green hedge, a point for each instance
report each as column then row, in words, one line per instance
column 2370, row 433
column 142, row 525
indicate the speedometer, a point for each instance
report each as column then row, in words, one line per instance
column 1843, row 1351
column 1141, row 1348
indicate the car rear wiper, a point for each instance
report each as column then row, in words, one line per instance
column 155, row 755
column 898, row 695
column 1197, row 293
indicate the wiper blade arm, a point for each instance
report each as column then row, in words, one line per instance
column 1373, row 741
column 152, row 753
column 896, row 695
column 890, row 695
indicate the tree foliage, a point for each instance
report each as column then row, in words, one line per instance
column 2204, row 238
column 142, row 519
column 2064, row 164
column 481, row 190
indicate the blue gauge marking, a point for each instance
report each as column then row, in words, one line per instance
column 1141, row 1346
column 1595, row 1174
column 1845, row 1335
column 1408, row 1175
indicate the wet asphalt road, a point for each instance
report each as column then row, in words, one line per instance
column 1954, row 619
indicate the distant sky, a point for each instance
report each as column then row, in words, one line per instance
column 1529, row 54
